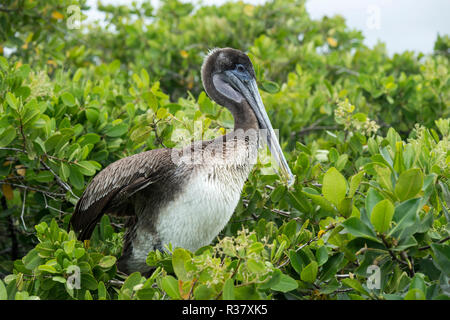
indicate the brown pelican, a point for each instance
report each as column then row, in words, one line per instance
column 185, row 196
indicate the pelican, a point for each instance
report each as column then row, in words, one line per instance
column 185, row 196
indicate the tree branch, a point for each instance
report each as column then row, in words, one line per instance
column 34, row 189
column 23, row 209
column 440, row 241
column 64, row 185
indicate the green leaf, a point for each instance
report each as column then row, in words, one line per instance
column 346, row 207
column 79, row 252
column 358, row 228
column 273, row 280
column 278, row 193
column 59, row 279
column 7, row 136
column 64, row 171
column 170, row 286
column 44, row 176
column 246, row 292
column 77, row 75
column 415, row 294
column 68, row 99
column 107, row 262
column 3, row 292
column 228, row 290
column 76, row 178
column 321, row 255
column 117, row 130
column 89, row 138
column 355, row 284
column 409, row 183
column 309, row 273
column 32, row 113
column 318, row 199
column 334, row 186
column 47, row 268
column 331, row 267
column 384, row 177
column 86, row 168
column 406, row 217
column 270, row 86
column 52, row 141
column 88, row 282
column 255, row 266
column 151, row 99
column 203, row 292
column 355, row 180
column 69, row 246
column 285, row 284
column 88, row 295
column 92, row 114
column 133, row 280
column 418, row 282
column 180, row 257
column 11, row 100
column 381, row 215
column 372, row 198
column 162, row 113
column 441, row 257
column 4, row 63
column 297, row 261
column 341, row 162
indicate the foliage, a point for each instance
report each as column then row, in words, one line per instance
column 366, row 134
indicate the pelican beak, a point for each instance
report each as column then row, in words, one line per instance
column 247, row 86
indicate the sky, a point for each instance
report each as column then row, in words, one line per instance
column 401, row 24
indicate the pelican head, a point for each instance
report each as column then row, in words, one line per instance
column 229, row 79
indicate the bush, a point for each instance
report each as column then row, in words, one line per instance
column 367, row 136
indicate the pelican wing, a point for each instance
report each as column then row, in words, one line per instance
column 111, row 188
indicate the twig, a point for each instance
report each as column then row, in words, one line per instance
column 117, row 225
column 242, row 220
column 64, row 185
column 440, row 241
column 345, row 276
column 386, row 244
column 318, row 128
column 277, row 211
column 306, row 244
column 314, row 124
column 362, row 250
column 158, row 138
column 191, row 291
column 117, row 283
column 13, row 149
column 232, row 276
column 23, row 209
column 34, row 189
column 52, row 208
column 343, row 290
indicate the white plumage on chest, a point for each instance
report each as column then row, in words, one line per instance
column 201, row 210
column 203, row 205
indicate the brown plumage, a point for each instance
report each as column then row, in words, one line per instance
column 112, row 189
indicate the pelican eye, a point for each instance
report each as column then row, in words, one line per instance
column 240, row 68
